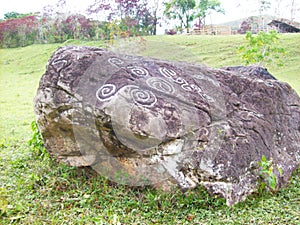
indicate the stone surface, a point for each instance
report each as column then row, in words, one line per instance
column 251, row 71
column 143, row 121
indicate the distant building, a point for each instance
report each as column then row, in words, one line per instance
column 285, row 26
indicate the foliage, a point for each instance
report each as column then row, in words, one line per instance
column 15, row 15
column 3, row 202
column 134, row 16
column 155, row 15
column 31, row 29
column 182, row 10
column 75, row 27
column 267, row 172
column 119, row 9
column 36, row 141
column 205, row 6
column 188, row 10
column 19, row 32
column 53, row 25
column 262, row 49
column 115, row 31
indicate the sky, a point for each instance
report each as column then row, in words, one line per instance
column 234, row 9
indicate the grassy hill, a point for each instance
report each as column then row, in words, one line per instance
column 220, row 51
column 37, row 190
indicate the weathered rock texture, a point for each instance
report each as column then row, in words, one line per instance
column 144, row 121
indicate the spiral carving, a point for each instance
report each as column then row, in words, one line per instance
column 106, row 92
column 143, row 97
column 161, row 85
column 115, row 61
column 138, row 71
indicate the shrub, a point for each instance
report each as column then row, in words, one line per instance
column 19, row 32
column 36, row 142
column 262, row 49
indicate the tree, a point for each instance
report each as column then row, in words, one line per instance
column 11, row 15
column 19, row 31
column 77, row 27
column 56, row 10
column 204, row 7
column 130, row 15
column 118, row 9
column 184, row 10
column 155, row 10
column 15, row 15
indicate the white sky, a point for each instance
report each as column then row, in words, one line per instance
column 234, row 9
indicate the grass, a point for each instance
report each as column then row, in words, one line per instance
column 221, row 51
column 35, row 190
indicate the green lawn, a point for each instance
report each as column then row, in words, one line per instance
column 219, row 51
column 35, row 190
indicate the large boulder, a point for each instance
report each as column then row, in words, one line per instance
column 142, row 121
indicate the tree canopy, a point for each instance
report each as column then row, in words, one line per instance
column 15, row 15
column 204, row 7
column 188, row 10
column 133, row 15
column 184, row 10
